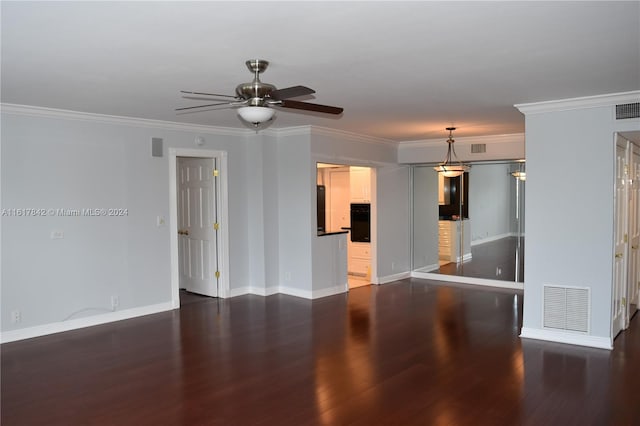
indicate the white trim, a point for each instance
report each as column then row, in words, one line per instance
column 579, row 103
column 34, row 111
column 467, row 140
column 567, row 337
column 391, row 278
column 315, row 294
column 428, row 268
column 493, row 238
column 350, row 136
column 223, row 248
column 290, row 291
column 259, row 291
column 513, row 285
column 59, row 327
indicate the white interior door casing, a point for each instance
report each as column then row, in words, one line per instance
column 634, row 231
column 621, row 227
column 197, row 219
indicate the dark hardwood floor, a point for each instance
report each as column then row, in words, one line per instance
column 414, row 352
column 495, row 260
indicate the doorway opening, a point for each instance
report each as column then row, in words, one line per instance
column 198, row 223
column 348, row 203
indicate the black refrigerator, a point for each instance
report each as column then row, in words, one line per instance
column 321, row 208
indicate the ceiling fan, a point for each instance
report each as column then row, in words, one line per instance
column 256, row 98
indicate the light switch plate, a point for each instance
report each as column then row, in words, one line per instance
column 57, row 235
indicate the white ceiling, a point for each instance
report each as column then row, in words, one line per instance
column 402, row 70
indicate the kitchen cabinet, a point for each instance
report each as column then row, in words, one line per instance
column 360, row 184
column 360, row 259
column 449, row 240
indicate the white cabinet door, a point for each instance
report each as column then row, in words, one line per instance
column 360, row 184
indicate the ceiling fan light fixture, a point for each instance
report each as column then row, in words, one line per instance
column 448, row 168
column 256, row 114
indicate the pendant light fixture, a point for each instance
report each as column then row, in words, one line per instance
column 448, row 167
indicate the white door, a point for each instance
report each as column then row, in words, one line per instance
column 633, row 296
column 197, row 223
column 620, row 272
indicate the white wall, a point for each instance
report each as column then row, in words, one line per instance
column 498, row 147
column 570, row 215
column 52, row 160
column 390, row 194
column 296, row 202
column 490, row 201
column 425, row 217
column 394, row 228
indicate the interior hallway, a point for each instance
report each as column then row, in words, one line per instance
column 413, row 352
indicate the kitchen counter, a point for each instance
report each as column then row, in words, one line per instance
column 324, row 234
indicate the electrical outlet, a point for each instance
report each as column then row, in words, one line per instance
column 16, row 316
column 393, row 266
column 115, row 302
column 287, row 276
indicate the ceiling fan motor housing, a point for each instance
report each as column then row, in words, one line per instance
column 255, row 91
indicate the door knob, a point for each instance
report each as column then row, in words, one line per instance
column 619, row 255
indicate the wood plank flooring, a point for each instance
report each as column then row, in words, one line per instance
column 415, row 352
column 495, row 260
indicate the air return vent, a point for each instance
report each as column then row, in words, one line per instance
column 624, row 111
column 566, row 308
column 478, row 148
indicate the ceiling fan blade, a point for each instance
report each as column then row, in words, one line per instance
column 207, row 94
column 291, row 92
column 311, row 107
column 202, row 98
column 203, row 106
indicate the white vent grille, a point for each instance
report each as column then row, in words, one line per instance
column 478, row 148
column 566, row 308
column 624, row 111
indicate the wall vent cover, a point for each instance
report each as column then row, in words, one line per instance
column 566, row 308
column 478, row 148
column 624, row 111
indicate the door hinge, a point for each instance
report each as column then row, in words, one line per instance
column 216, row 226
column 626, row 169
column 624, row 301
column 215, row 173
column 217, row 274
column 626, row 238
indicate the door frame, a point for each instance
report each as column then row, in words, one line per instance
column 620, row 218
column 221, row 197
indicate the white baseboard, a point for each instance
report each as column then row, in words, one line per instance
column 492, row 238
column 468, row 280
column 565, row 337
column 394, row 277
column 59, row 327
column 241, row 291
column 315, row 294
column 429, row 268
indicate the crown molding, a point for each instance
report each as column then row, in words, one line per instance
column 579, row 103
column 467, row 140
column 350, row 136
column 34, row 111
